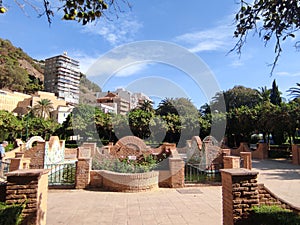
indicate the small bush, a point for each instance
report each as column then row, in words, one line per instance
column 10, row 214
column 71, row 145
column 125, row 165
column 271, row 215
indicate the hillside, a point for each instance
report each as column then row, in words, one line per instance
column 19, row 72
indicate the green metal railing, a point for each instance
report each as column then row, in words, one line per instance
column 61, row 174
column 193, row 174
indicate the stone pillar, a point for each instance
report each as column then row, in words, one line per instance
column 296, row 154
column 246, row 157
column 240, row 193
column 83, row 168
column 29, row 187
column 231, row 162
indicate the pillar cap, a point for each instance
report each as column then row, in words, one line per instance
column 27, row 173
column 239, row 172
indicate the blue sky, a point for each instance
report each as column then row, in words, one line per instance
column 205, row 28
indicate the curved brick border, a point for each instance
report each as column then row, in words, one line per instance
column 132, row 142
column 129, row 182
column 267, row 197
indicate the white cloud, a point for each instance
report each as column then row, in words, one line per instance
column 117, row 31
column 214, row 39
column 131, row 70
column 85, row 61
column 288, row 74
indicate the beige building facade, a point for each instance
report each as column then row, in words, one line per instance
column 20, row 104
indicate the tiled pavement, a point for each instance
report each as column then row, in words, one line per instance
column 196, row 205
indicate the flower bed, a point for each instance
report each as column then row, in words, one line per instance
column 125, row 182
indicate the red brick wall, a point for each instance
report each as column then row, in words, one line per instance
column 37, row 155
column 240, row 194
column 29, row 187
column 296, row 154
column 266, row 197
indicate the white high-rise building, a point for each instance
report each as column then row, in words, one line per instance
column 62, row 77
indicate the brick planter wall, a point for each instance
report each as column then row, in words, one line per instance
column 240, row 193
column 29, row 187
column 266, row 197
column 126, row 182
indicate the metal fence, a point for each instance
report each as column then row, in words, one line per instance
column 61, row 174
column 193, row 174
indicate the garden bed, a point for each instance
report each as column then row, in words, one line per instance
column 124, row 182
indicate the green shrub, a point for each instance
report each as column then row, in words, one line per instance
column 125, row 165
column 10, row 214
column 271, row 215
column 71, row 145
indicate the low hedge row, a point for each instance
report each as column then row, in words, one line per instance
column 271, row 215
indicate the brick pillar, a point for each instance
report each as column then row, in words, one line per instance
column 177, row 172
column 247, row 158
column 83, row 168
column 296, row 154
column 29, row 186
column 19, row 162
column 240, row 193
column 226, row 152
column 231, row 162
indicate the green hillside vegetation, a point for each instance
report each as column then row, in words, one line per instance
column 88, row 90
column 18, row 71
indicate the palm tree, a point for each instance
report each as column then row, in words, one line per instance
column 43, row 108
column 146, row 106
column 295, row 91
column 264, row 93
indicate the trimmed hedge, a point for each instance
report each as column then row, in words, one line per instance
column 10, row 214
column 271, row 215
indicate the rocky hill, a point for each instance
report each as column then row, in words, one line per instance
column 19, row 72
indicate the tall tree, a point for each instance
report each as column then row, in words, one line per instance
column 43, row 108
column 236, row 97
column 275, row 94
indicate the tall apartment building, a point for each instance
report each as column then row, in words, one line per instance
column 62, row 77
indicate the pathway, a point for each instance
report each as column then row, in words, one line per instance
column 280, row 177
column 197, row 205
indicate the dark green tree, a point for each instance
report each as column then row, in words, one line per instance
column 236, row 97
column 10, row 126
column 275, row 94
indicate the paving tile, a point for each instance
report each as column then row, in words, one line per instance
column 162, row 206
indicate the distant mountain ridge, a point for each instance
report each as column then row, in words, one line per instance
column 19, row 72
